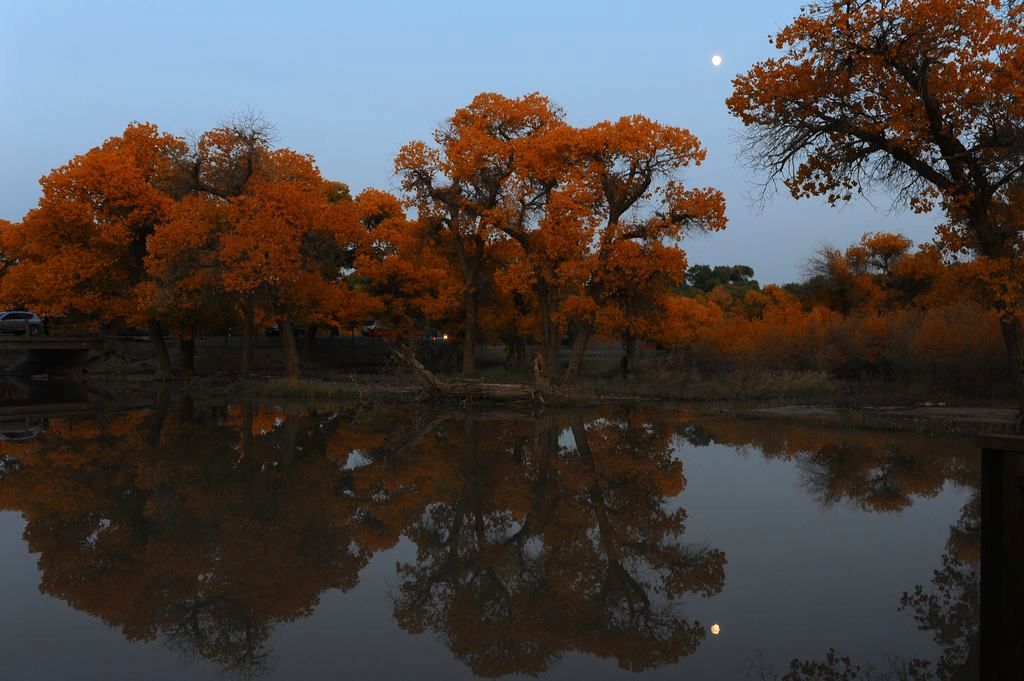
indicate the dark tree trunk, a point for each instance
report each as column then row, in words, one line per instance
column 470, row 261
column 159, row 415
column 447, row 359
column 550, row 336
column 521, row 359
column 510, row 354
column 1013, row 336
column 629, row 355
column 467, row 390
column 187, row 409
column 292, row 365
column 515, row 359
column 291, row 428
column 579, row 350
column 579, row 436
column 551, row 349
column 187, row 352
column 469, row 342
column 163, row 359
column 309, row 342
column 248, row 336
column 248, row 441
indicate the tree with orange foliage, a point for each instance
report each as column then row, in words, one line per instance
column 635, row 260
column 183, row 256
column 856, row 279
column 184, row 287
column 512, row 314
column 685, row 321
column 553, row 223
column 399, row 263
column 287, row 242
column 596, row 261
column 570, row 198
column 260, row 228
column 79, row 254
column 464, row 190
column 7, row 231
column 924, row 98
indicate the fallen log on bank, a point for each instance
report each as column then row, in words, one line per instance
column 467, row 389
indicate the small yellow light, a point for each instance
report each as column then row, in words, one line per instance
column 445, row 337
column 715, row 629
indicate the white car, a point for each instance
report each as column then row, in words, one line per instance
column 19, row 430
column 21, row 322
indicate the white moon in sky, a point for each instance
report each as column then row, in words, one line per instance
column 714, row 627
column 716, row 60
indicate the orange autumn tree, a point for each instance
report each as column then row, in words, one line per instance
column 7, row 231
column 686, row 322
column 286, row 246
column 855, row 279
column 79, row 254
column 632, row 167
column 880, row 272
column 571, row 199
column 924, row 98
column 398, row 263
column 183, row 255
column 261, row 231
column 513, row 315
column 552, row 221
column 184, row 287
column 462, row 187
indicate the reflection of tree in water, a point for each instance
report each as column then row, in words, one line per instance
column 206, row 534
column 207, row 527
column 882, row 479
column 885, row 472
column 535, row 536
column 874, row 470
column 527, row 549
column 949, row 609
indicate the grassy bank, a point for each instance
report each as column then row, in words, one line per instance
column 778, row 396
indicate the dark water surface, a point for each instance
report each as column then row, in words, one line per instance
column 192, row 541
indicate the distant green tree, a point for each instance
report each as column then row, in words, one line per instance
column 737, row 280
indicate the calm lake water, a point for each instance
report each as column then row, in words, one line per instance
column 192, row 541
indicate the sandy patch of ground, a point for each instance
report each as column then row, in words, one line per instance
column 927, row 417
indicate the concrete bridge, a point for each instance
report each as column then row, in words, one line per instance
column 26, row 406
column 30, row 355
column 50, row 342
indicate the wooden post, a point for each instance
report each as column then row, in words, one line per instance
column 1002, row 557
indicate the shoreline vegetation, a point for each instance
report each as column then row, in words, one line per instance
column 812, row 397
column 367, row 372
column 807, row 397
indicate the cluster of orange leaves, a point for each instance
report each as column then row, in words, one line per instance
column 878, row 308
column 148, row 226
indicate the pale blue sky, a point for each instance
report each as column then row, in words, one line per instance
column 350, row 82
